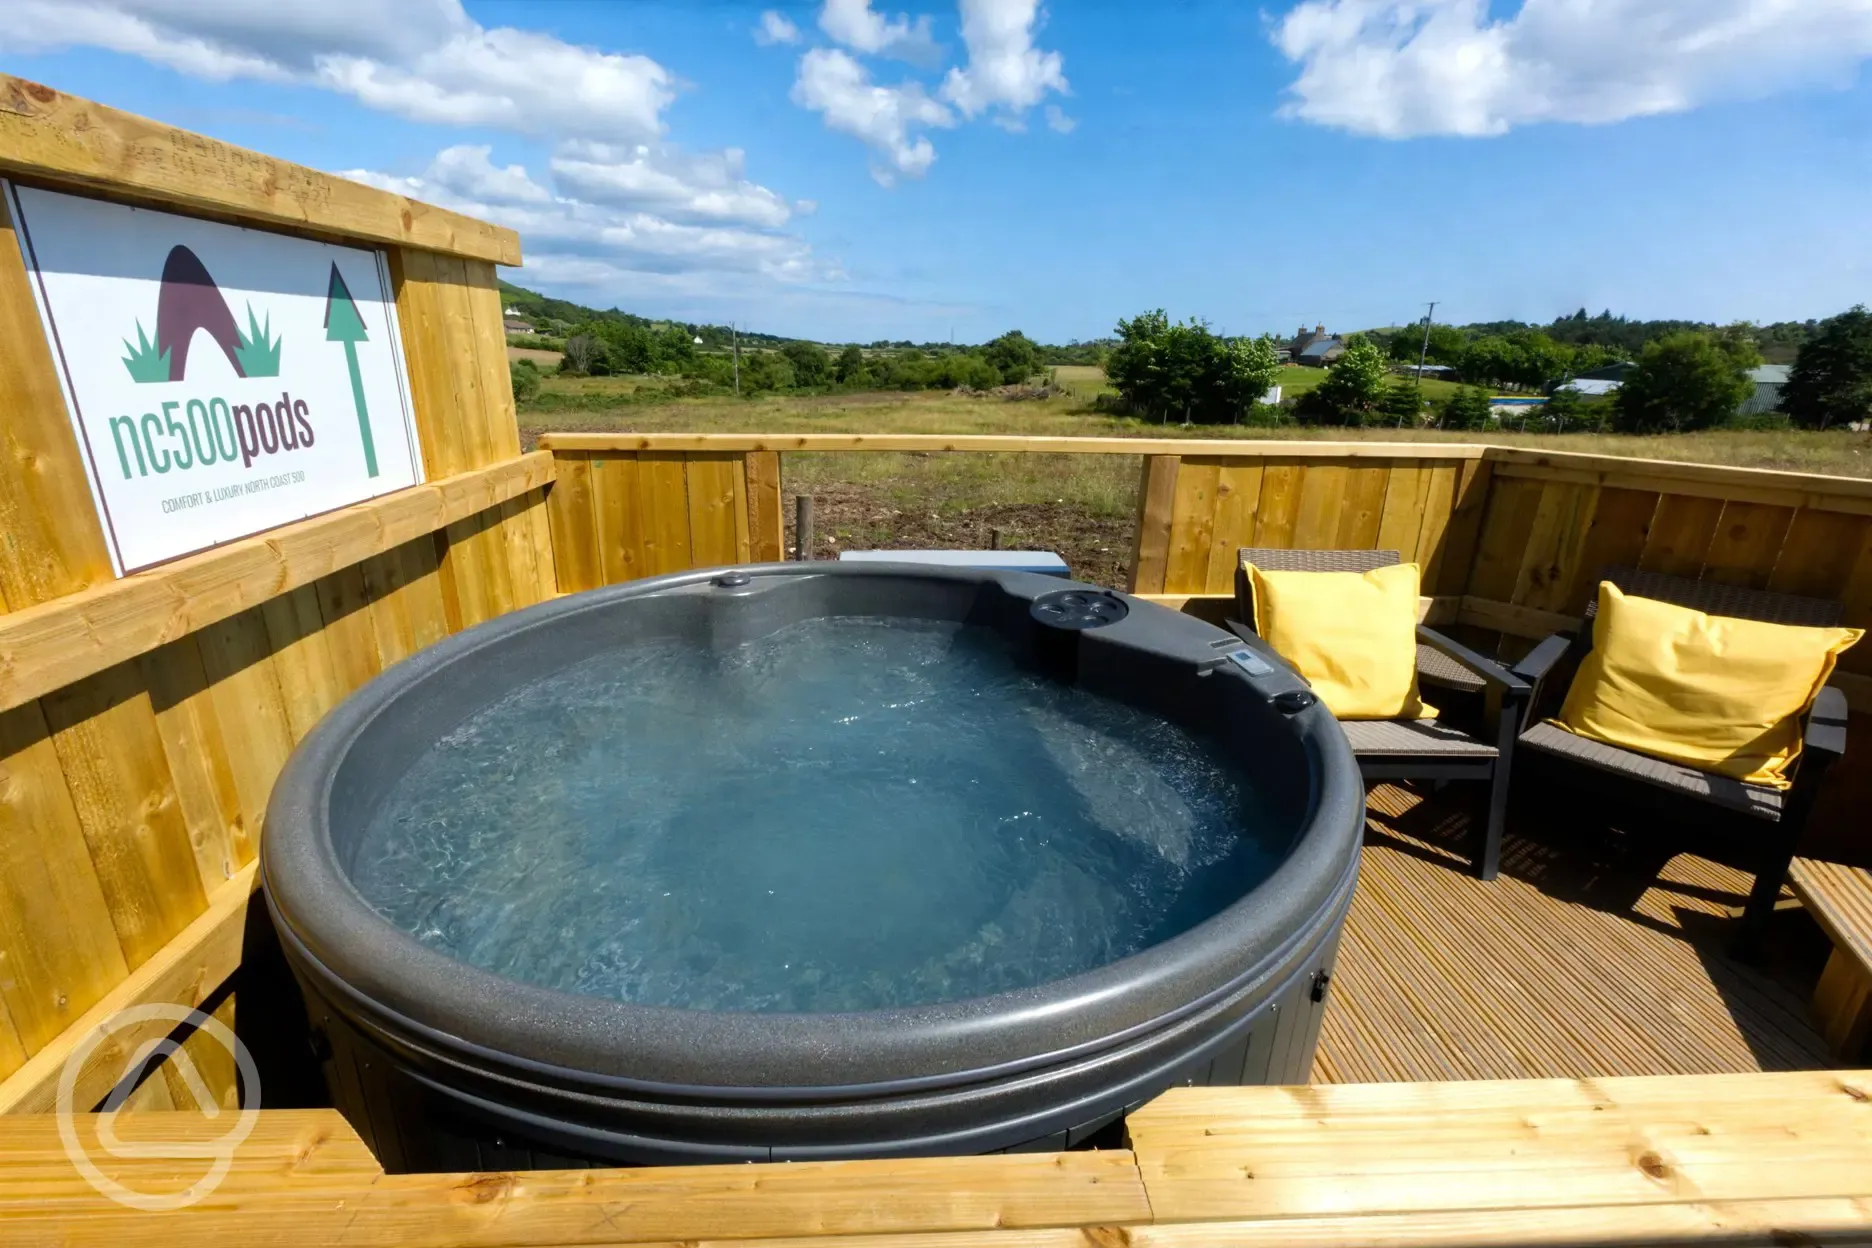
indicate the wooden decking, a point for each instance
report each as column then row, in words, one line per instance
column 1595, row 953
column 1733, row 1160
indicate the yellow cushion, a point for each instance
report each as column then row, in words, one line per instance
column 1718, row 694
column 1352, row 635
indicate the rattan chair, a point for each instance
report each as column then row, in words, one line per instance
column 1767, row 822
column 1419, row 749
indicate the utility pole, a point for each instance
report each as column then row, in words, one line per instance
column 1422, row 356
column 734, row 349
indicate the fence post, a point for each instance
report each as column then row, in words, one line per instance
column 802, row 527
column 1156, row 496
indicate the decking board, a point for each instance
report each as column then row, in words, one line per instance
column 1595, row 953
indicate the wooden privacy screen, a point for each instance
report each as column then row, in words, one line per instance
column 143, row 719
column 620, row 515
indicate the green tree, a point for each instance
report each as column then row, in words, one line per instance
column 525, row 376
column 1402, row 405
column 1185, row 371
column 1446, row 344
column 1831, row 382
column 850, row 368
column 765, row 370
column 1467, row 409
column 1684, row 381
column 811, row 365
column 1353, row 392
column 1014, row 356
column 581, row 353
column 1492, row 360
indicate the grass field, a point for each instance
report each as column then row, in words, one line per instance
column 1079, row 505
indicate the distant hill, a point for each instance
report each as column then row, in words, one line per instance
column 1779, row 343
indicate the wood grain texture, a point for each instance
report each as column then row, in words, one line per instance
column 249, row 707
column 1621, row 525
column 1361, row 510
column 1405, row 1148
column 1402, row 520
column 766, row 524
column 1238, row 494
column 663, row 499
column 1512, row 508
column 713, row 500
column 426, row 351
column 616, row 519
column 1238, row 448
column 309, row 679
column 1278, row 509
column 198, row 761
column 1597, row 952
column 187, row 972
column 47, row 134
column 1556, row 546
column 1816, row 559
column 69, row 638
column 1192, row 526
column 1150, row 561
column 1681, row 532
column 109, row 749
column 1746, row 543
column 58, row 945
column 571, row 510
column 55, row 544
column 1451, row 566
column 1316, row 518
column 305, row 1181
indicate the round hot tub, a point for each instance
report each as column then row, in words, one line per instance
column 806, row 861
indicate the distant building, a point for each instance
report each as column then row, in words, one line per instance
column 1611, row 372
column 1591, row 387
column 1769, row 380
column 1435, row 372
column 1314, row 347
column 514, row 325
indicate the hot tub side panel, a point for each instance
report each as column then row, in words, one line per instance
column 419, row 1119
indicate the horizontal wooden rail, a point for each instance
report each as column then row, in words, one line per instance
column 1772, row 486
column 46, row 647
column 186, row 972
column 1268, row 448
column 46, row 134
column 1768, row 1159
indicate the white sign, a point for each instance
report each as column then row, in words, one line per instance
column 221, row 380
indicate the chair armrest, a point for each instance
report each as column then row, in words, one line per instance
column 1488, row 669
column 1536, row 663
column 1826, row 726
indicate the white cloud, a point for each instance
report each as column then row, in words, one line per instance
column 852, row 23
column 1004, row 71
column 775, row 28
column 567, row 235
column 684, row 188
column 838, row 87
column 1057, row 120
column 421, row 59
column 1398, row 68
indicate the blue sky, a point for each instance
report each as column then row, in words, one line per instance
column 849, row 172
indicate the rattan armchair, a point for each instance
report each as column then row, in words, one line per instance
column 1419, row 749
column 1767, row 822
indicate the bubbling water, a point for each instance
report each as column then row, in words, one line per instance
column 852, row 813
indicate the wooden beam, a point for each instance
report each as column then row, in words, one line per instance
column 55, row 643
column 1513, row 1146
column 186, row 971
column 1242, row 448
column 324, row 1195
column 46, row 135
column 1743, row 485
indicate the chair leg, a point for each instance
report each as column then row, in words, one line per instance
column 1488, row 862
column 1761, row 900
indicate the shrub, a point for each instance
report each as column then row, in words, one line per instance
column 1831, row 382
column 1353, row 392
column 1014, row 356
column 811, row 365
column 1468, row 408
column 1164, row 370
column 1402, row 405
column 525, row 376
column 581, row 353
column 1685, row 381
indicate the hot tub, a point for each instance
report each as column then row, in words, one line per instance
column 809, row 861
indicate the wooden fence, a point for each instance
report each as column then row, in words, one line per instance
column 143, row 719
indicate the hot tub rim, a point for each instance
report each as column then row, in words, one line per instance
column 352, row 945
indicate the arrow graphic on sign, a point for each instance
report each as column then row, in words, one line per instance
column 343, row 324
